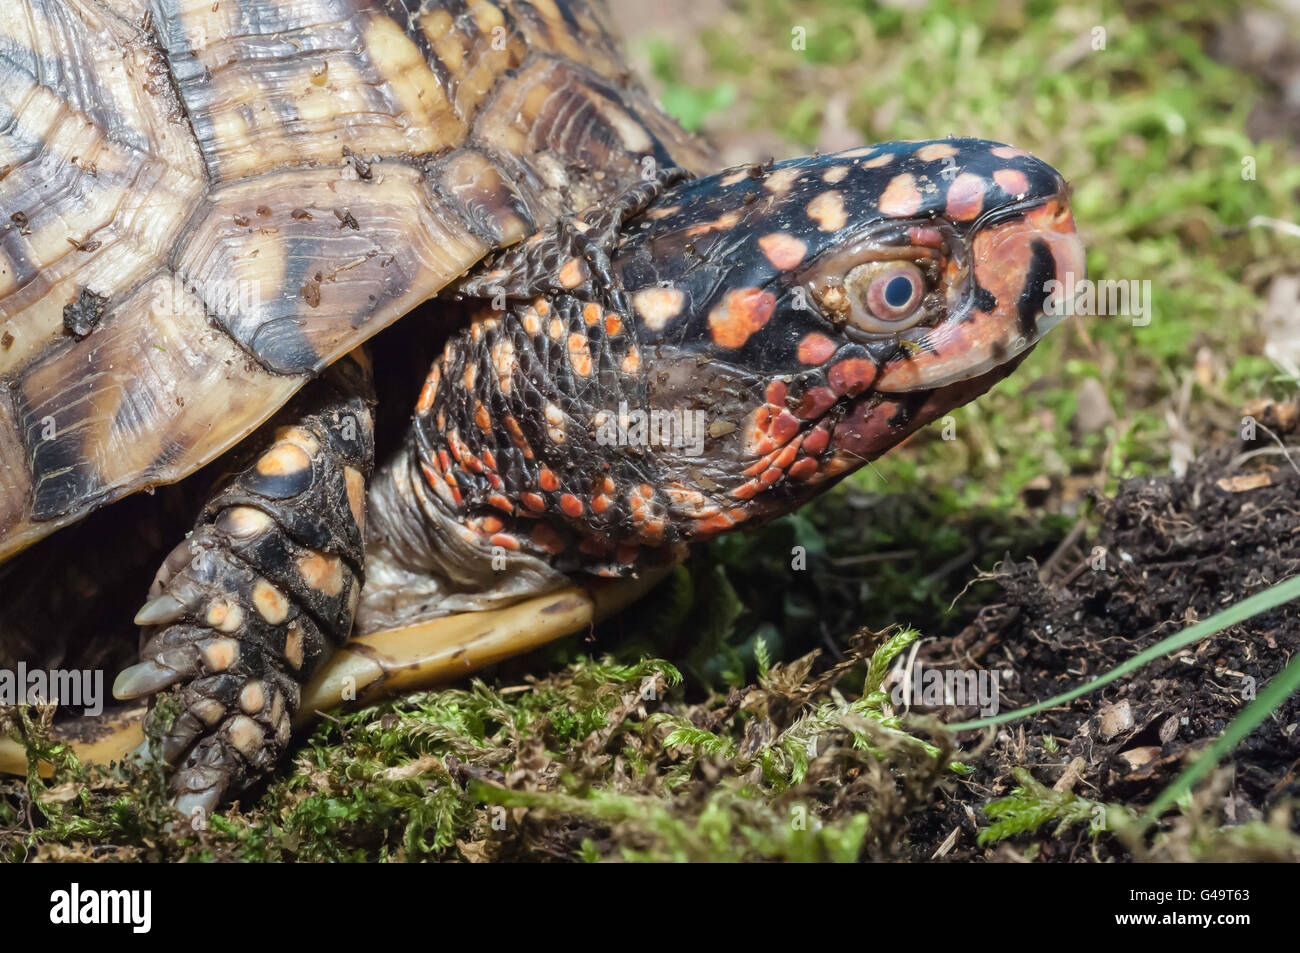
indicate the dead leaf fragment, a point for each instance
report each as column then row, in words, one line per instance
column 1244, row 482
column 1114, row 719
column 1137, row 757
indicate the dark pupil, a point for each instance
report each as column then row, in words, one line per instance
column 898, row 291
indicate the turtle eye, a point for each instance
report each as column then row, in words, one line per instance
column 886, row 295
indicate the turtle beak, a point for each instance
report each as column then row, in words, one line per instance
column 1026, row 260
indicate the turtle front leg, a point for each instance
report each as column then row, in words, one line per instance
column 266, row 586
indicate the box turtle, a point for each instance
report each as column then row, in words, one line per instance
column 208, row 207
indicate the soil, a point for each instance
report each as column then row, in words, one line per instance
column 1167, row 553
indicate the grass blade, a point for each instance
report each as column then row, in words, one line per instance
column 1268, row 701
column 1270, row 598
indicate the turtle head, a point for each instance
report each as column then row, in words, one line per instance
column 829, row 306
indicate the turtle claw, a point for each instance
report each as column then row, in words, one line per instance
column 144, row 678
column 159, row 610
column 198, row 788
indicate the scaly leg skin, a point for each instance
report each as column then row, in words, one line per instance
column 248, row 607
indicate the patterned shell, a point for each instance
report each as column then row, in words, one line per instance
column 205, row 202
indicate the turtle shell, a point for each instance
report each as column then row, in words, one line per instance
column 203, row 204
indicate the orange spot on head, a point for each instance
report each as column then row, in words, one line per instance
column 1008, row 152
column 571, row 505
column 1012, row 181
column 827, row 210
column 783, row 250
column 881, row 160
column 722, row 223
column 901, row 197
column 548, row 480
column 965, row 197
column 936, row 151
column 741, row 313
column 815, row 348
column 658, row 306
column 613, row 324
column 779, row 181
column 590, row 313
column 851, row 376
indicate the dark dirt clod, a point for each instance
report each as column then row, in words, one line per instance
column 80, row 317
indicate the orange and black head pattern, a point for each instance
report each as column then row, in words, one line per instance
column 857, row 295
column 716, row 351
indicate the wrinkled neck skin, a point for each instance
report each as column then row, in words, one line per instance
column 676, row 468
